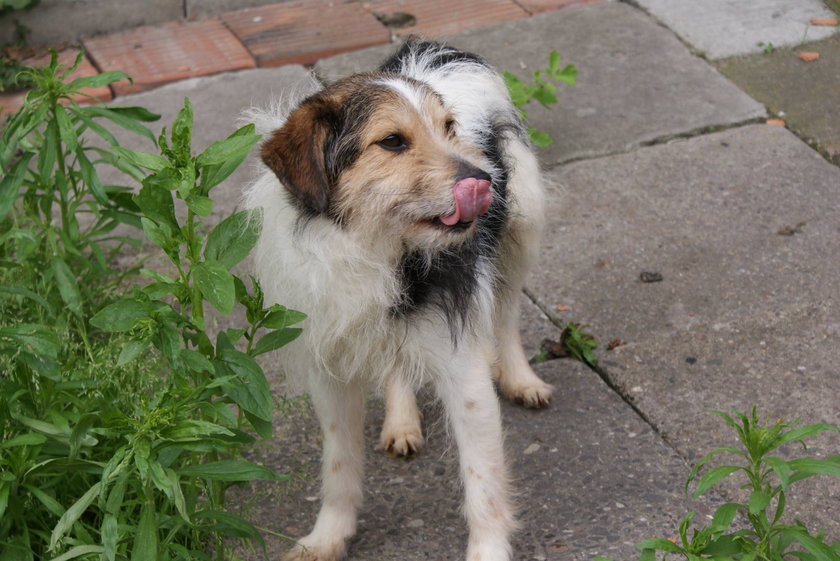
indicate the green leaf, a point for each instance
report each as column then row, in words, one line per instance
column 228, row 524
column 212, row 175
column 280, row 317
column 33, row 338
column 231, row 470
column 157, row 204
column 216, row 284
column 232, row 239
column 10, row 185
column 250, row 391
column 816, row 547
column 263, row 428
column 758, row 502
column 189, row 429
column 65, row 128
column 98, row 80
column 49, row 151
column 130, row 351
column 202, row 206
column 659, row 544
column 724, row 516
column 48, row 501
column 725, row 547
column 781, row 469
column 26, row 439
column 125, row 117
column 276, row 339
column 648, row 555
column 811, row 466
column 152, row 162
column 91, row 179
column 67, row 287
column 159, row 235
column 120, row 316
column 146, row 539
column 539, row 138
column 801, row 433
column 78, row 551
column 182, row 132
column 235, row 147
column 712, row 477
column 69, row 518
column 196, row 361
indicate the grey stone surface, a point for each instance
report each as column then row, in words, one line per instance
column 592, row 478
column 803, row 94
column 721, row 28
column 218, row 102
column 56, row 21
column 704, row 213
column 203, row 8
column 784, row 361
column 636, row 81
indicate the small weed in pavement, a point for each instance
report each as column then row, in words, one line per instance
column 543, row 90
column 767, row 480
column 574, row 343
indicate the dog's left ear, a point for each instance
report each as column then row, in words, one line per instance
column 296, row 152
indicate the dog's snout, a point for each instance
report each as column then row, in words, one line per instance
column 467, row 170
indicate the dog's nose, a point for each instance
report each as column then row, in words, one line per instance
column 466, row 171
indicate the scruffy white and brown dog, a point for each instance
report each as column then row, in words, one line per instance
column 401, row 212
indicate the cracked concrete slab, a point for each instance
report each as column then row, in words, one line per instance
column 722, row 28
column 592, row 478
column 782, row 361
column 636, row 81
column 708, row 214
column 803, row 94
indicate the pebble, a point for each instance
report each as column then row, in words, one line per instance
column 531, row 449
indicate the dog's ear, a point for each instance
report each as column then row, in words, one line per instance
column 296, row 152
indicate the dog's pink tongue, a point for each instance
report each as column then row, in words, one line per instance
column 472, row 197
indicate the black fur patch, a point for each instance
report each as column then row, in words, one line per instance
column 449, row 279
column 443, row 55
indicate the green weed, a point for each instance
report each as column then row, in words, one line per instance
column 121, row 421
column 543, row 89
column 766, row 479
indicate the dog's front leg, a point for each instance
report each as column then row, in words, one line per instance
column 473, row 409
column 340, row 410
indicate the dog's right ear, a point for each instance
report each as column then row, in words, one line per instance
column 296, row 152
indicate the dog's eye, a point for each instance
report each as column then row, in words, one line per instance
column 393, row 142
column 449, row 127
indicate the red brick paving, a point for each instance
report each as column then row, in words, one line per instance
column 445, row 17
column 304, row 31
column 539, row 6
column 155, row 55
column 10, row 102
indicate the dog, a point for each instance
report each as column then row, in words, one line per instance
column 401, row 210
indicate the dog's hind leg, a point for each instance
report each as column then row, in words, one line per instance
column 402, row 434
column 517, row 380
column 467, row 393
column 340, row 410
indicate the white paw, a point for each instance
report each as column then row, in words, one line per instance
column 534, row 393
column 403, row 440
column 332, row 552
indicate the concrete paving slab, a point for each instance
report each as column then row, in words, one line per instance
column 803, row 94
column 53, row 22
column 705, row 213
column 592, row 478
column 218, row 102
column 722, row 28
column 636, row 81
column 784, row 362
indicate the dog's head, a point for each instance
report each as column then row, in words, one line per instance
column 381, row 153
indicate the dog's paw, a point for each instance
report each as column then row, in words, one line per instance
column 401, row 441
column 316, row 553
column 536, row 394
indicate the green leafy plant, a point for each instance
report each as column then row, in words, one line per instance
column 122, row 422
column 767, row 480
column 574, row 342
column 543, row 90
